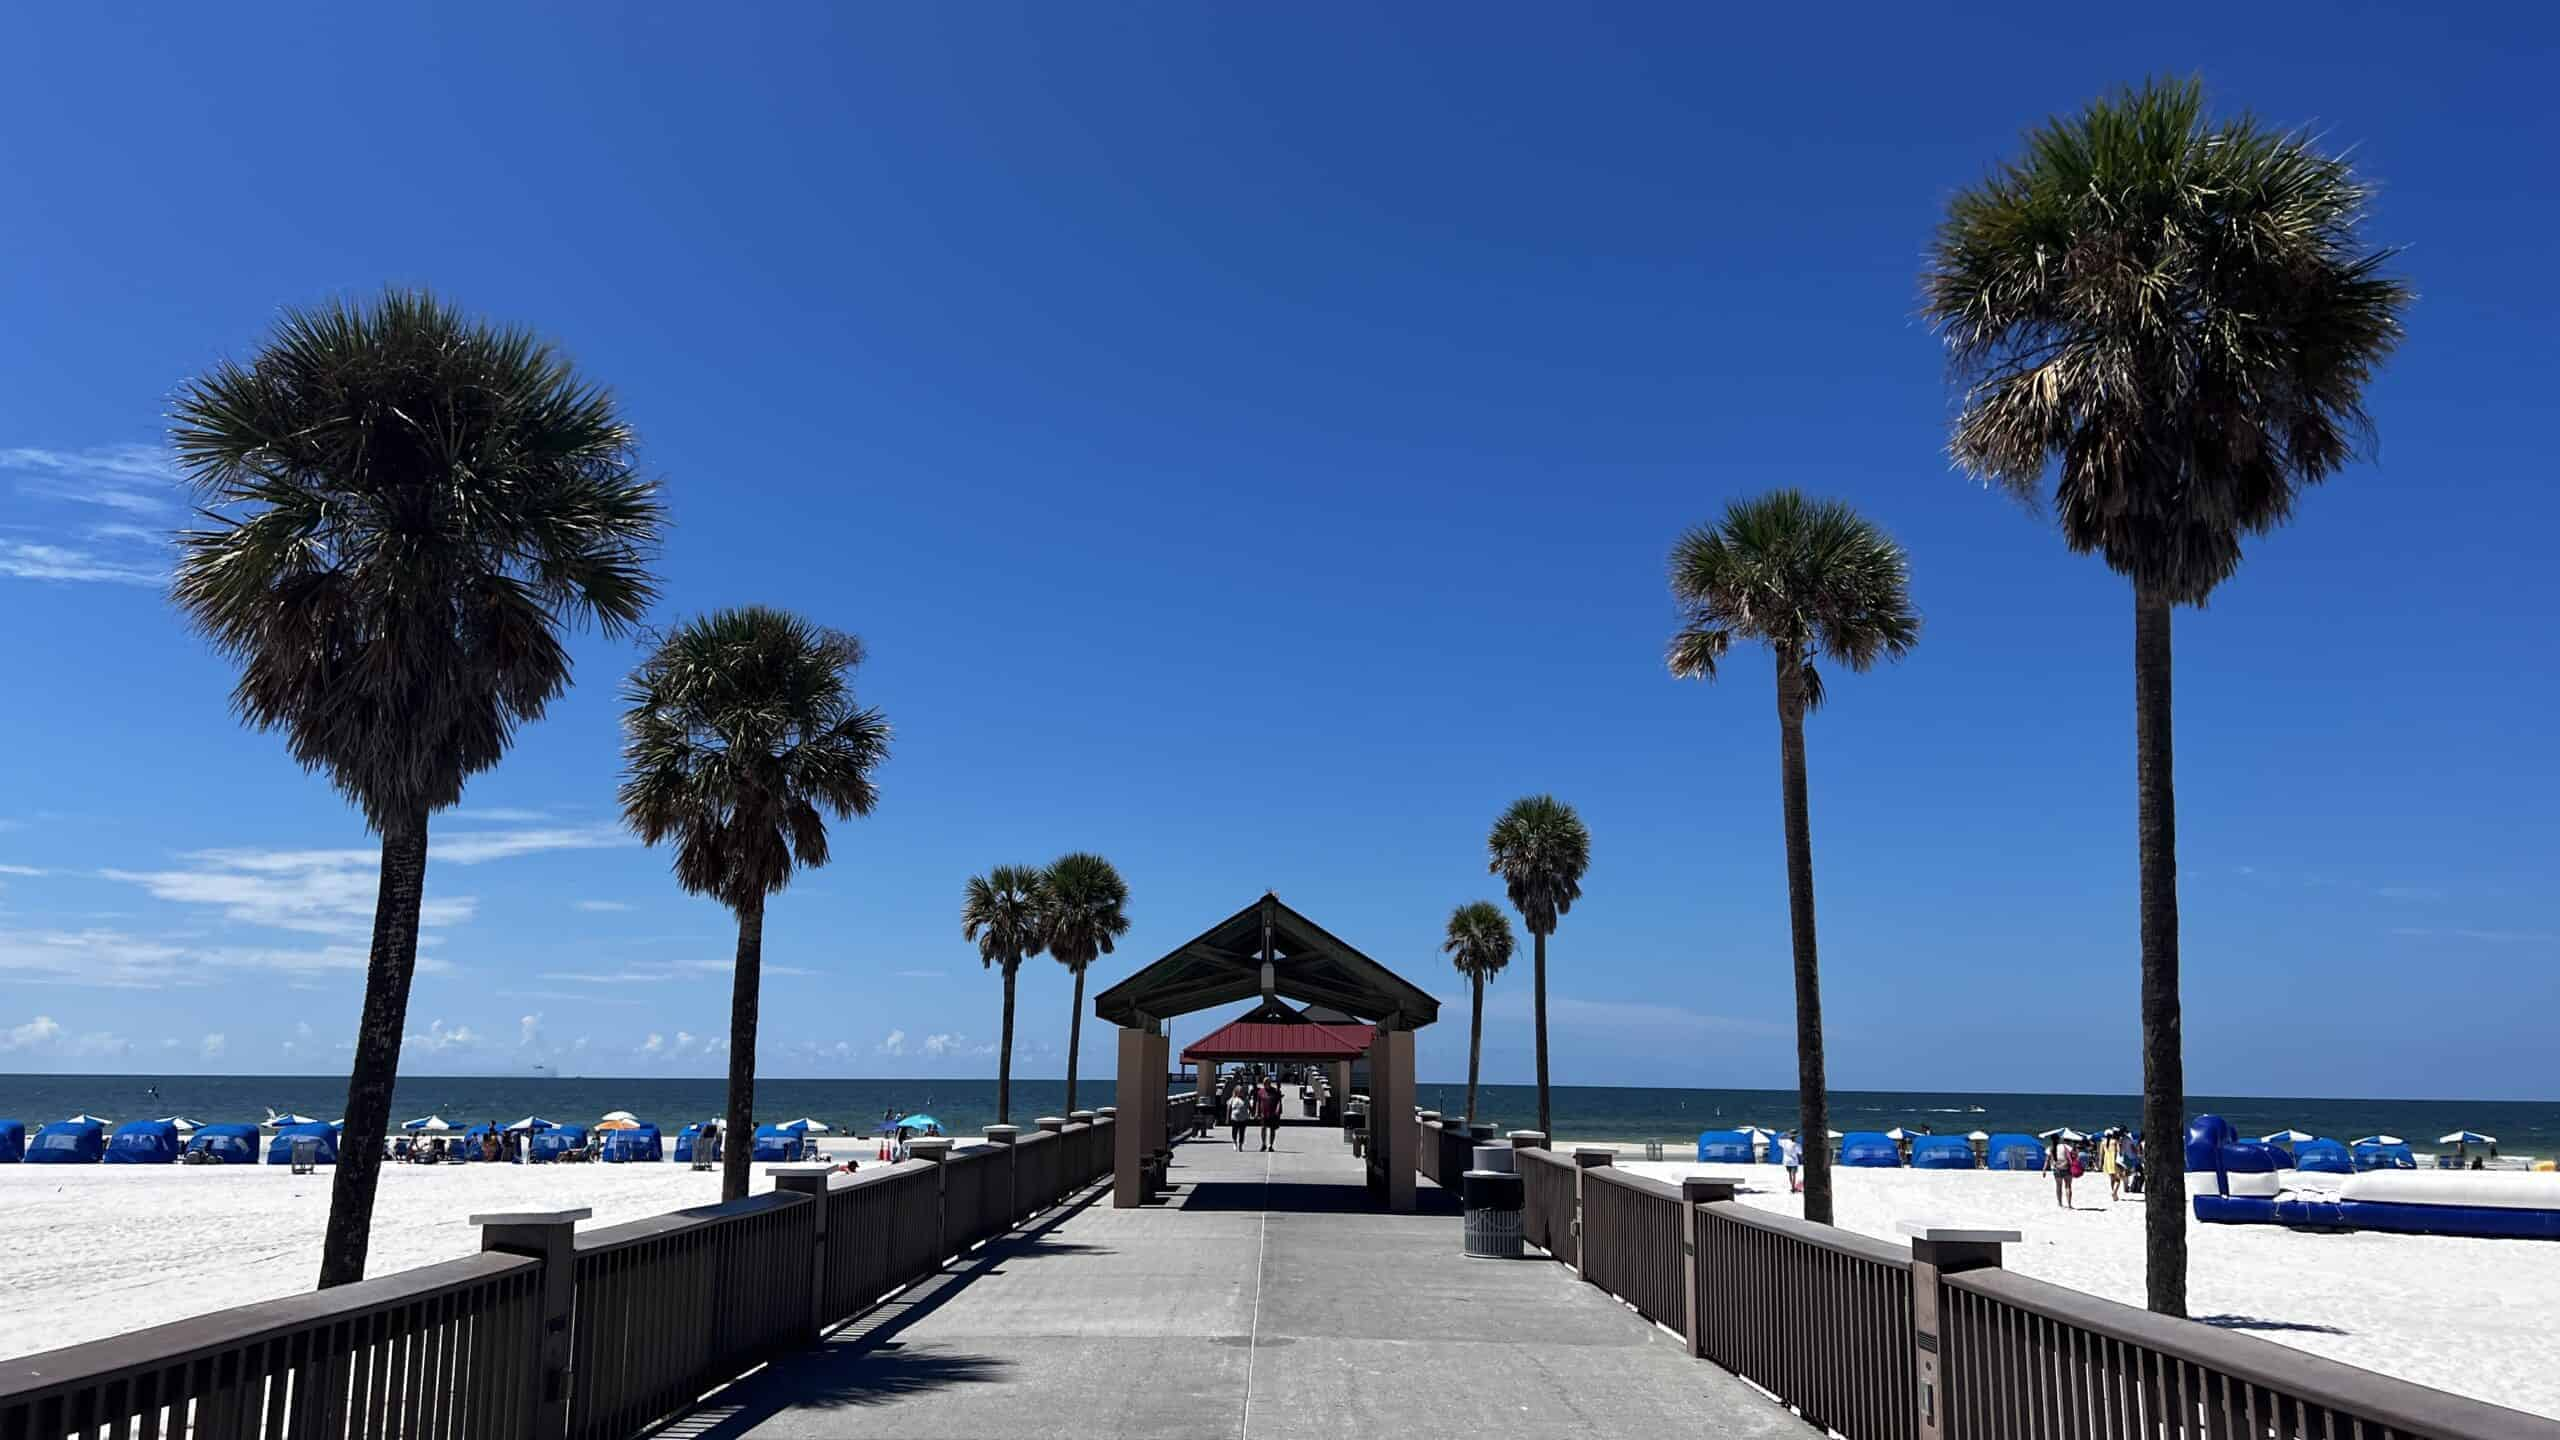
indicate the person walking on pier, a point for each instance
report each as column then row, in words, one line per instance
column 1236, row 1112
column 1267, row 1105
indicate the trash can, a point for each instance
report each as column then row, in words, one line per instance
column 1492, row 1199
column 1496, row 1159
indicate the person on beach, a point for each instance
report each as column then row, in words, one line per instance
column 1236, row 1110
column 1270, row 1108
column 1791, row 1155
column 2111, row 1163
column 2066, row 1168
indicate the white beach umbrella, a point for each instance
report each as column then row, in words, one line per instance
column 806, row 1126
column 85, row 1118
column 275, row 1121
column 2288, row 1137
column 432, row 1124
column 2466, row 1137
column 2382, row 1140
column 1898, row 1133
column 618, row 1115
column 2064, row 1132
column 1979, row 1135
column 1836, row 1135
column 181, row 1122
column 532, row 1122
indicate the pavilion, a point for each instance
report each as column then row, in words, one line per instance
column 1270, row 951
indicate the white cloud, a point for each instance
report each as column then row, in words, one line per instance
column 2491, row 937
column 941, row 1046
column 684, row 1042
column 211, row 1047
column 119, row 960
column 29, row 871
column 716, row 1045
column 311, row 892
column 919, row 974
column 498, row 815
column 98, row 1043
column 437, row 1040
column 602, row 907
column 895, row 1043
column 28, row 560
column 136, row 481
column 39, row 1031
column 578, row 1046
column 528, row 1032
column 302, row 1029
column 656, row 1044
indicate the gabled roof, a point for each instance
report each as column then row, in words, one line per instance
column 1223, row 964
column 1259, row 1034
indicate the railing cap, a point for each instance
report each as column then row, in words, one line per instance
column 535, row 1217
column 1943, row 1234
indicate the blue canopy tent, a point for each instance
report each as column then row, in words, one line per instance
column 471, row 1138
column 1941, row 1152
column 323, row 1136
column 13, row 1141
column 2379, row 1155
column 231, row 1144
column 1724, row 1147
column 774, row 1142
column 2323, row 1157
column 920, row 1124
column 2016, row 1152
column 1871, row 1150
column 143, row 1142
column 68, row 1142
column 640, row 1142
column 551, row 1144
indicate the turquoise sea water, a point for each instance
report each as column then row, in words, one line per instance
column 1582, row 1112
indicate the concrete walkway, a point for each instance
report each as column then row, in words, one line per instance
column 1263, row 1299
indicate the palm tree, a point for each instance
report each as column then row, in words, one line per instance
column 1811, row 579
column 1086, row 910
column 2175, row 319
column 742, row 736
column 407, row 504
column 1001, row 912
column 1540, row 848
column 1479, row 944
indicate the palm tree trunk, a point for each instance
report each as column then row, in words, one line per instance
column 1543, row 1127
column 738, row 1132
column 2164, row 1078
column 388, row 971
column 1004, row 1055
column 1813, row 1100
column 1475, row 1047
column 1075, row 1034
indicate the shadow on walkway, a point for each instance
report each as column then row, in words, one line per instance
column 1302, row 1198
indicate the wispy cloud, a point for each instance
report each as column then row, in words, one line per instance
column 603, row 907
column 29, row 871
column 919, row 974
column 41, row 1030
column 118, row 960
column 45, row 1036
column 33, row 560
column 2490, row 937
column 1566, row 1012
column 136, row 482
column 498, row 815
column 2410, row 892
column 134, row 479
column 211, row 1047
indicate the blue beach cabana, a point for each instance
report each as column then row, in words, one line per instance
column 143, row 1142
column 13, row 1141
column 325, row 1136
column 2323, row 1157
column 2016, row 1152
column 551, row 1144
column 1870, row 1150
column 1941, row 1152
column 1724, row 1147
column 230, row 1144
column 776, row 1142
column 68, row 1142
column 639, row 1142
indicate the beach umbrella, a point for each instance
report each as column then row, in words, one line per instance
column 619, row 1115
column 919, row 1121
column 1979, row 1135
column 181, row 1122
column 2063, row 1132
column 2382, row 1140
column 2288, row 1137
column 87, row 1119
column 806, row 1126
column 433, row 1124
column 1899, row 1133
column 532, row 1122
column 278, row 1121
column 610, row 1123
column 1836, row 1135
column 2458, row 1137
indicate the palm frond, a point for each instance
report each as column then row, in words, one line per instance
column 1806, row 577
column 1541, row 849
column 1479, row 941
column 1084, row 910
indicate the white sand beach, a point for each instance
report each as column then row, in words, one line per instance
column 2472, row 1316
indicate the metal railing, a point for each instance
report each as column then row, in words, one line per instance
column 443, row 1350
column 884, row 1232
column 670, row 1306
column 1631, row 1241
column 1817, row 1316
column 2027, row 1359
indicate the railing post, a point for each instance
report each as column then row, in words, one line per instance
column 1528, row 1139
column 1695, row 1191
column 1585, row 1158
column 812, row 1183
column 549, row 1236
column 1004, row 1136
column 937, row 1150
column 1940, row 1250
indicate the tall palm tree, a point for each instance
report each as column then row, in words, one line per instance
column 1086, row 910
column 1810, row 579
column 2171, row 320
column 407, row 506
column 1001, row 912
column 742, row 737
column 1479, row 944
column 1540, row 848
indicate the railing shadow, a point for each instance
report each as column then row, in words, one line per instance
column 1304, row 1198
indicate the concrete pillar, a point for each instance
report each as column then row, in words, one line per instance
column 549, row 1236
column 1391, row 1101
column 1695, row 1191
column 812, row 1183
column 1159, row 1067
column 1940, row 1250
column 1129, row 1144
column 1528, row 1139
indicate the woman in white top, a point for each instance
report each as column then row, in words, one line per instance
column 1238, row 1112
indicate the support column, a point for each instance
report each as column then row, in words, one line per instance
column 1159, row 1069
column 1939, row 1250
column 549, row 1236
column 1391, row 1104
column 1128, row 1131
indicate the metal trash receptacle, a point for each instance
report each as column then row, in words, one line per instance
column 1493, row 1200
column 1496, row 1160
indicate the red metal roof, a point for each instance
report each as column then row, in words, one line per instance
column 1273, row 1040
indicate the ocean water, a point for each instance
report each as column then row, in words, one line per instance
column 1582, row 1112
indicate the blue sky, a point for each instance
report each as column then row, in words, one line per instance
column 1249, row 442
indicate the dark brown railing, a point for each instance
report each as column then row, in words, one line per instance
column 1549, row 1203
column 1816, row 1316
column 671, row 1306
column 443, row 1350
column 1631, row 1242
column 2030, row 1360
column 1037, row 1180
column 1426, row 1150
column 884, row 1233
